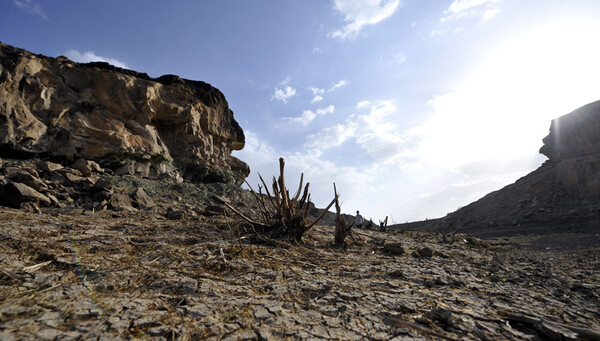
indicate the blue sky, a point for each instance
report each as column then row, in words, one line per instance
column 413, row 108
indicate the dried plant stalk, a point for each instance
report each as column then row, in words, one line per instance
column 342, row 229
column 283, row 216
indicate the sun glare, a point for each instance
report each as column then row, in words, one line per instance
column 504, row 110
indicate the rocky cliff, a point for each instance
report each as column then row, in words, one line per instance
column 562, row 195
column 124, row 120
column 573, row 147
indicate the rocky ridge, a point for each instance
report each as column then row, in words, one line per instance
column 163, row 128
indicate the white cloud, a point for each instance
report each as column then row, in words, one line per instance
column 90, row 56
column 316, row 91
column 317, row 98
column 317, row 50
column 256, row 152
column 467, row 8
column 338, row 85
column 459, row 6
column 490, row 13
column 324, row 111
column 373, row 132
column 308, row 115
column 362, row 104
column 286, row 81
column 284, row 94
column 31, row 7
column 331, row 136
column 437, row 33
column 359, row 14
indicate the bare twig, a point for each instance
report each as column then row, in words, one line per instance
column 33, row 268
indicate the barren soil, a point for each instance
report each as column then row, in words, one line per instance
column 70, row 274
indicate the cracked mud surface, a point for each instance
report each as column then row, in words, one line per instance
column 110, row 276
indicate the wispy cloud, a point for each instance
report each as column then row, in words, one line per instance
column 362, row 104
column 317, row 92
column 489, row 14
column 373, row 132
column 284, row 94
column 338, row 85
column 324, row 111
column 308, row 115
column 359, row 14
column 31, row 7
column 316, row 50
column 286, row 81
column 90, row 56
column 486, row 9
column 317, row 98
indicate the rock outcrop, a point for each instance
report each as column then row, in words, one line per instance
column 562, row 195
column 573, row 147
column 122, row 119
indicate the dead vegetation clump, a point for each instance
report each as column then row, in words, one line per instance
column 281, row 216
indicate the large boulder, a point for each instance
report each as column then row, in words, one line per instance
column 120, row 118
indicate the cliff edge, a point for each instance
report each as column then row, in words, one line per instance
column 124, row 120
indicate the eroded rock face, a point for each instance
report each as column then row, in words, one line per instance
column 573, row 146
column 122, row 119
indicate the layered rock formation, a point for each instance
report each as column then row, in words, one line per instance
column 124, row 120
column 562, row 195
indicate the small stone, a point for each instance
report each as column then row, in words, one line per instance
column 103, row 183
column 425, row 252
column 30, row 207
column 142, row 199
column 48, row 166
column 394, row 249
column 261, row 313
column 121, row 202
column 174, row 214
column 86, row 167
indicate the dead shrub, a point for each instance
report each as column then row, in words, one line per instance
column 281, row 216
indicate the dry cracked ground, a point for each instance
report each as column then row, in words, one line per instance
column 67, row 274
